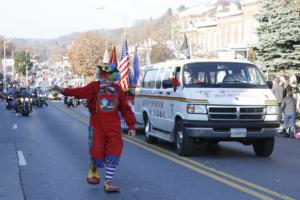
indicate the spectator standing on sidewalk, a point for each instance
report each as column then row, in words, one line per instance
column 287, row 86
column 289, row 109
column 278, row 91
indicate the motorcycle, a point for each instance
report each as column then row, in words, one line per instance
column 40, row 100
column 9, row 102
column 72, row 101
column 24, row 105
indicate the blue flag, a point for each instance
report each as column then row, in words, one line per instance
column 135, row 70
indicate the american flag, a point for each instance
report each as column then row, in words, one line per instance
column 123, row 67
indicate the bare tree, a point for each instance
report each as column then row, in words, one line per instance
column 160, row 52
column 85, row 53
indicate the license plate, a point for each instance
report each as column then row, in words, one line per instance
column 238, row 132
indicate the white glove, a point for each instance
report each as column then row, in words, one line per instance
column 131, row 133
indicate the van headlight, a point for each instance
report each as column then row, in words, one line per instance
column 196, row 109
column 272, row 110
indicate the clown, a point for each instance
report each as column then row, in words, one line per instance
column 106, row 100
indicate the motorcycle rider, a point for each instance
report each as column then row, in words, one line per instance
column 24, row 96
column 10, row 97
column 41, row 96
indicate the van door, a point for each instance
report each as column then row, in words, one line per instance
column 138, row 106
column 157, row 101
column 148, row 91
column 169, row 103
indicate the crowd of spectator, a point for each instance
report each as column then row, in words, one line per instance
column 288, row 99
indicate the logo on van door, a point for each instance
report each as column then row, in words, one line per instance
column 155, row 107
column 172, row 108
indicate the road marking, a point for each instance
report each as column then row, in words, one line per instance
column 201, row 171
column 22, row 161
column 195, row 166
column 213, row 170
column 15, row 126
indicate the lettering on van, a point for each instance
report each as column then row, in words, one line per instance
column 206, row 93
column 155, row 107
column 227, row 93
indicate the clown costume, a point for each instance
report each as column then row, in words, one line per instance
column 106, row 100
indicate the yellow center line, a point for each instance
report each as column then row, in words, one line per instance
column 205, row 169
column 249, row 184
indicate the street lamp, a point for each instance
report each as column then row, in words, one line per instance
column 4, row 64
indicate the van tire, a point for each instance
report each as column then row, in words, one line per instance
column 148, row 126
column 263, row 147
column 184, row 144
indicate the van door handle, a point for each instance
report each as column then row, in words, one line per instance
column 168, row 92
column 160, row 92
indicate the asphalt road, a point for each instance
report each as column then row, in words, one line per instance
column 53, row 141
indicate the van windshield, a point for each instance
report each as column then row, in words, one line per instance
column 222, row 74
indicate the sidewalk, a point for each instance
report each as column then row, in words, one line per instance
column 10, row 186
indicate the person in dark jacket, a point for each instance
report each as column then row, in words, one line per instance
column 288, row 107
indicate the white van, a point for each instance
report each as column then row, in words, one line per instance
column 190, row 101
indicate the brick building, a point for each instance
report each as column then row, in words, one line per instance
column 226, row 31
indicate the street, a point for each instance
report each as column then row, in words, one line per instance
column 53, row 141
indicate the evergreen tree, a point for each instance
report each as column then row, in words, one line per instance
column 279, row 36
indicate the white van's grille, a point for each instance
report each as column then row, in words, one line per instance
column 253, row 113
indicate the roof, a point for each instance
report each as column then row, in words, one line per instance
column 196, row 10
column 174, row 63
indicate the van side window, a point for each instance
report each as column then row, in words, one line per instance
column 150, row 77
column 159, row 78
column 167, row 74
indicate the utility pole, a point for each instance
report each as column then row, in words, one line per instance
column 26, row 67
column 4, row 65
column 13, row 66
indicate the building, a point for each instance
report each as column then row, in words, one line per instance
column 8, row 68
column 220, row 30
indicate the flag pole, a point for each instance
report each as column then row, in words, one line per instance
column 125, row 31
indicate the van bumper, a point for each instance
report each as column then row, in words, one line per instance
column 221, row 129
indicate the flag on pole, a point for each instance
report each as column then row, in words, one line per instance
column 105, row 57
column 134, row 72
column 123, row 67
column 113, row 56
column 185, row 48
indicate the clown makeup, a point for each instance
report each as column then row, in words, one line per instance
column 111, row 76
column 104, row 75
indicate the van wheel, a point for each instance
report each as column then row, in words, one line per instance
column 263, row 147
column 184, row 144
column 148, row 127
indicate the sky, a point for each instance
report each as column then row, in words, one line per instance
column 53, row 18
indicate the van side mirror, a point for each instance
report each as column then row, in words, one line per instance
column 167, row 84
column 270, row 84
